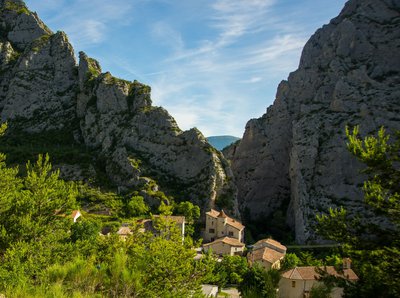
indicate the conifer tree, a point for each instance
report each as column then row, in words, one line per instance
column 373, row 246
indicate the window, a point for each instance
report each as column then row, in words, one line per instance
column 211, row 230
column 230, row 233
column 293, row 283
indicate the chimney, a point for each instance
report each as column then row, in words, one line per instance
column 223, row 216
column 346, row 263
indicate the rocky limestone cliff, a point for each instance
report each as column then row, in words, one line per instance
column 107, row 124
column 294, row 157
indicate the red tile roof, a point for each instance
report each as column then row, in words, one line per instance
column 227, row 240
column 234, row 223
column 272, row 242
column 222, row 214
column 309, row 273
column 265, row 254
column 213, row 213
column 230, row 221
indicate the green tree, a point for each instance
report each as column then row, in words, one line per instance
column 320, row 291
column 189, row 210
column 291, row 260
column 39, row 206
column 260, row 283
column 10, row 184
column 374, row 247
column 165, row 209
column 85, row 230
column 231, row 270
column 34, row 227
column 136, row 207
column 191, row 213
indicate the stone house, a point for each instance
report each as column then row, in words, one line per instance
column 268, row 253
column 124, row 232
column 297, row 282
column 219, row 225
column 225, row 246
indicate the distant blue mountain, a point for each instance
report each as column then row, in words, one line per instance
column 220, row 142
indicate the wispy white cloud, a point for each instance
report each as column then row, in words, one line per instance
column 252, row 80
column 220, row 65
column 235, row 18
column 85, row 22
column 89, row 32
column 165, row 34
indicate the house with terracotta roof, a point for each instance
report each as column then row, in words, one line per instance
column 219, row 225
column 124, row 232
column 298, row 282
column 270, row 243
column 268, row 253
column 225, row 246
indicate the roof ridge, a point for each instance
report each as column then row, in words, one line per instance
column 293, row 270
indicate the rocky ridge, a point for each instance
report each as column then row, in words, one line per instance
column 138, row 146
column 294, row 157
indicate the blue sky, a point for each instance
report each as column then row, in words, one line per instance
column 212, row 64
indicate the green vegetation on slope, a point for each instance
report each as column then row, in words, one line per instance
column 17, row 7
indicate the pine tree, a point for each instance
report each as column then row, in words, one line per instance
column 373, row 247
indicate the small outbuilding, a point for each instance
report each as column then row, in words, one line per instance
column 225, row 246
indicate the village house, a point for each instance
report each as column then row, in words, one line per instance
column 219, row 225
column 268, row 253
column 124, row 232
column 297, row 282
column 225, row 246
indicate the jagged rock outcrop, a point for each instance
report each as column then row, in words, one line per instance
column 117, row 117
column 137, row 145
column 294, row 157
column 38, row 77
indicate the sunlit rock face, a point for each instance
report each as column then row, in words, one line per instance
column 137, row 145
column 294, row 157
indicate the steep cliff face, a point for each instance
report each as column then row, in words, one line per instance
column 38, row 76
column 294, row 157
column 43, row 92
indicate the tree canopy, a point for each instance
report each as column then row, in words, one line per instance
column 371, row 237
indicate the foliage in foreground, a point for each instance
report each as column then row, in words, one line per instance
column 373, row 247
column 44, row 254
